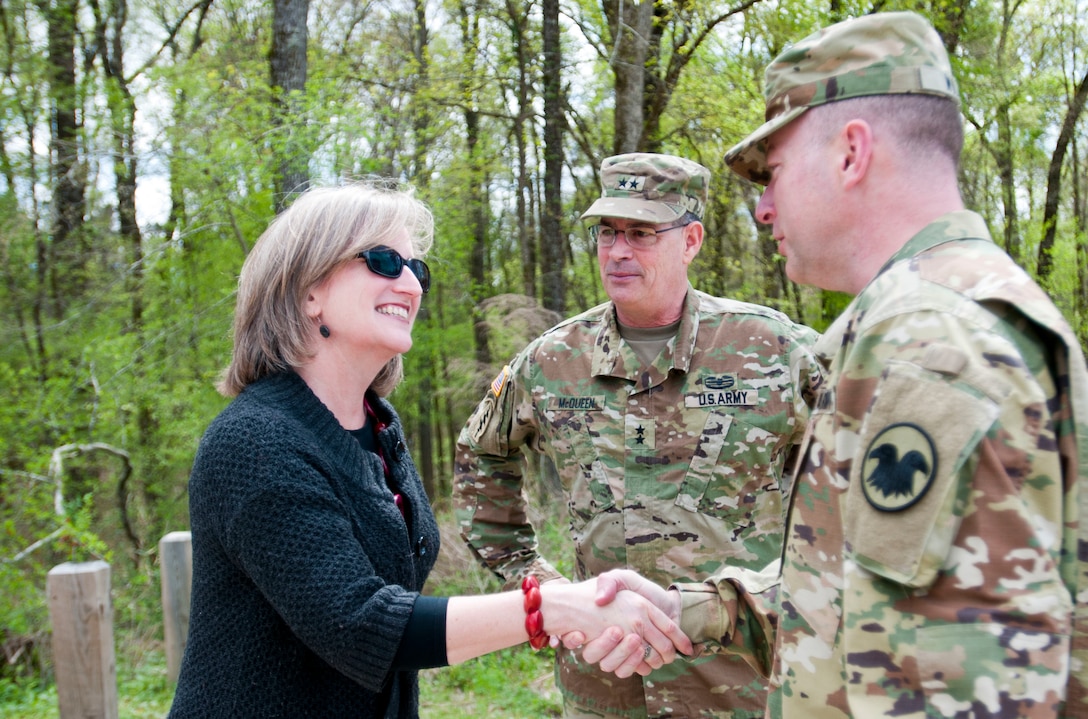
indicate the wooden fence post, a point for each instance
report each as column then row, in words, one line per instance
column 82, row 617
column 176, row 572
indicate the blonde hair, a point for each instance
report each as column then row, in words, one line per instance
column 321, row 230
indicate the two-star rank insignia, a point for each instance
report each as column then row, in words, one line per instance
column 899, row 466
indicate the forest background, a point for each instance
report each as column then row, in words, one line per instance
column 145, row 144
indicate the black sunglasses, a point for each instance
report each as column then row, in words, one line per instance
column 388, row 263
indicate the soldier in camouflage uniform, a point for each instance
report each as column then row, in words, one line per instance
column 931, row 565
column 669, row 415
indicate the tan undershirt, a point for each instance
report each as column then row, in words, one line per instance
column 647, row 342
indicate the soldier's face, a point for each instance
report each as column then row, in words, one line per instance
column 648, row 284
column 799, row 203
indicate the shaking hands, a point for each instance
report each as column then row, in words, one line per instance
column 637, row 628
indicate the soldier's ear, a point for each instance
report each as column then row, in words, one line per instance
column 854, row 152
column 693, row 241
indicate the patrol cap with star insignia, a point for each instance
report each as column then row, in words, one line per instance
column 887, row 53
column 652, row 188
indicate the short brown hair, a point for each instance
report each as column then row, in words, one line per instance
column 321, row 230
column 926, row 127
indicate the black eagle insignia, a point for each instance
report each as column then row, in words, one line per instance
column 894, row 476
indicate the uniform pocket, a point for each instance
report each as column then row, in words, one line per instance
column 914, row 442
column 732, row 475
column 1003, row 669
column 584, row 476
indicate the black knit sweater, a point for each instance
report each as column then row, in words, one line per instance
column 304, row 571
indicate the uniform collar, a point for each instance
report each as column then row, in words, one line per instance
column 951, row 227
column 612, row 357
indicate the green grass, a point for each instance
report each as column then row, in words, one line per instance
column 516, row 683
column 143, row 692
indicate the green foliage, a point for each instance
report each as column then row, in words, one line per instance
column 1064, row 283
column 142, row 693
column 27, row 700
column 128, row 356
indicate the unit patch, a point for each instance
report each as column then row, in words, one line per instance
column 899, row 467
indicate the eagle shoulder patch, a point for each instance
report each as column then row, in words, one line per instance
column 899, row 466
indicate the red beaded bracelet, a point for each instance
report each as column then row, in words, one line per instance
column 534, row 620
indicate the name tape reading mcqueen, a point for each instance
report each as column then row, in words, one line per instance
column 590, row 403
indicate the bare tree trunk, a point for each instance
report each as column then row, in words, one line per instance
column 287, row 59
column 1006, row 171
column 109, row 34
column 553, row 275
column 646, row 74
column 1080, row 216
column 63, row 259
column 427, row 409
column 518, row 21
column 1054, row 179
column 631, row 22
column 176, row 214
column 1003, row 154
column 470, row 33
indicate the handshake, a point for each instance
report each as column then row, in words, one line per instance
column 620, row 621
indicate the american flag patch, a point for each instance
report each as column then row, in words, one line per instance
column 499, row 382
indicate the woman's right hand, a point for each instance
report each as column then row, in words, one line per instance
column 618, row 630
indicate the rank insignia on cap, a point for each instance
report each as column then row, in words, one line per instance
column 499, row 382
column 899, row 467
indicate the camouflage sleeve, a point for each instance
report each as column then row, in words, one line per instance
column 940, row 406
column 807, row 378
column 733, row 612
column 806, row 371
column 488, row 488
column 951, row 510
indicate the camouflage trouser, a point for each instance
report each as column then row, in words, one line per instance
column 574, row 711
column 591, row 694
column 677, row 690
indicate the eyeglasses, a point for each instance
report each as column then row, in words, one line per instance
column 637, row 237
column 387, row 262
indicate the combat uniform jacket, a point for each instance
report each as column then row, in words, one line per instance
column 672, row 470
column 930, row 566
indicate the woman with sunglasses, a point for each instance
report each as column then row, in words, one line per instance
column 312, row 534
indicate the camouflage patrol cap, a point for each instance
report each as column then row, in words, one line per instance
column 881, row 54
column 651, row 188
